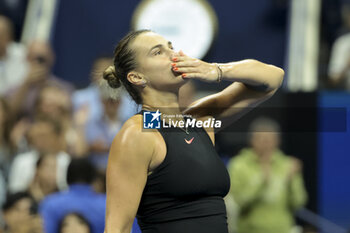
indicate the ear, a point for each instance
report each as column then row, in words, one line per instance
column 136, row 78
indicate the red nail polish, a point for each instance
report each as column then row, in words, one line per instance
column 175, row 68
column 173, row 64
column 175, row 59
column 184, row 75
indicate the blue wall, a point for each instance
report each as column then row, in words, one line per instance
column 85, row 29
column 334, row 163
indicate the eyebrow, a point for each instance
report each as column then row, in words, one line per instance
column 160, row 45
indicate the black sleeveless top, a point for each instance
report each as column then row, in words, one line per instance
column 184, row 194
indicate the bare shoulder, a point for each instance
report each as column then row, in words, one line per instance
column 133, row 128
column 133, row 141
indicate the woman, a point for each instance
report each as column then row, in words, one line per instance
column 174, row 185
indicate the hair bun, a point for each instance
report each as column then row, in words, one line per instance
column 111, row 77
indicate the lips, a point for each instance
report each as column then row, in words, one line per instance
column 175, row 73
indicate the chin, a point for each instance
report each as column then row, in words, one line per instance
column 174, row 86
column 177, row 80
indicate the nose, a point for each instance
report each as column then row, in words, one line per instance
column 173, row 53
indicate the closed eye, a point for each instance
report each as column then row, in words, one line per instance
column 158, row 52
column 159, row 48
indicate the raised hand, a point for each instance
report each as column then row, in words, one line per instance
column 190, row 68
column 37, row 74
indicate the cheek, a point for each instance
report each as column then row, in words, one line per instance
column 157, row 65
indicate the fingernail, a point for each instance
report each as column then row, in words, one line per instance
column 173, row 64
column 175, row 59
column 184, row 75
column 175, row 68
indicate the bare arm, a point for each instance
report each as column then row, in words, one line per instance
column 253, row 82
column 127, row 175
column 36, row 77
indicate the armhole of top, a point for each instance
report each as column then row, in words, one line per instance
column 202, row 130
column 163, row 163
column 205, row 131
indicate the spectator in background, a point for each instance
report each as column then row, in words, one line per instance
column 40, row 59
column 20, row 215
column 266, row 184
column 74, row 223
column 45, row 136
column 12, row 58
column 101, row 132
column 80, row 198
column 55, row 103
column 45, row 181
column 88, row 100
column 339, row 64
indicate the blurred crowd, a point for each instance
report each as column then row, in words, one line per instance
column 54, row 141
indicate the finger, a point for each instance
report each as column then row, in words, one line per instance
column 190, row 63
column 185, row 69
column 178, row 58
column 190, row 75
column 184, row 64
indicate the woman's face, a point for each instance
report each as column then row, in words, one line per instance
column 73, row 224
column 54, row 103
column 153, row 56
column 43, row 138
column 265, row 142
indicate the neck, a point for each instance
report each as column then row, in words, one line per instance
column 264, row 156
column 166, row 102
